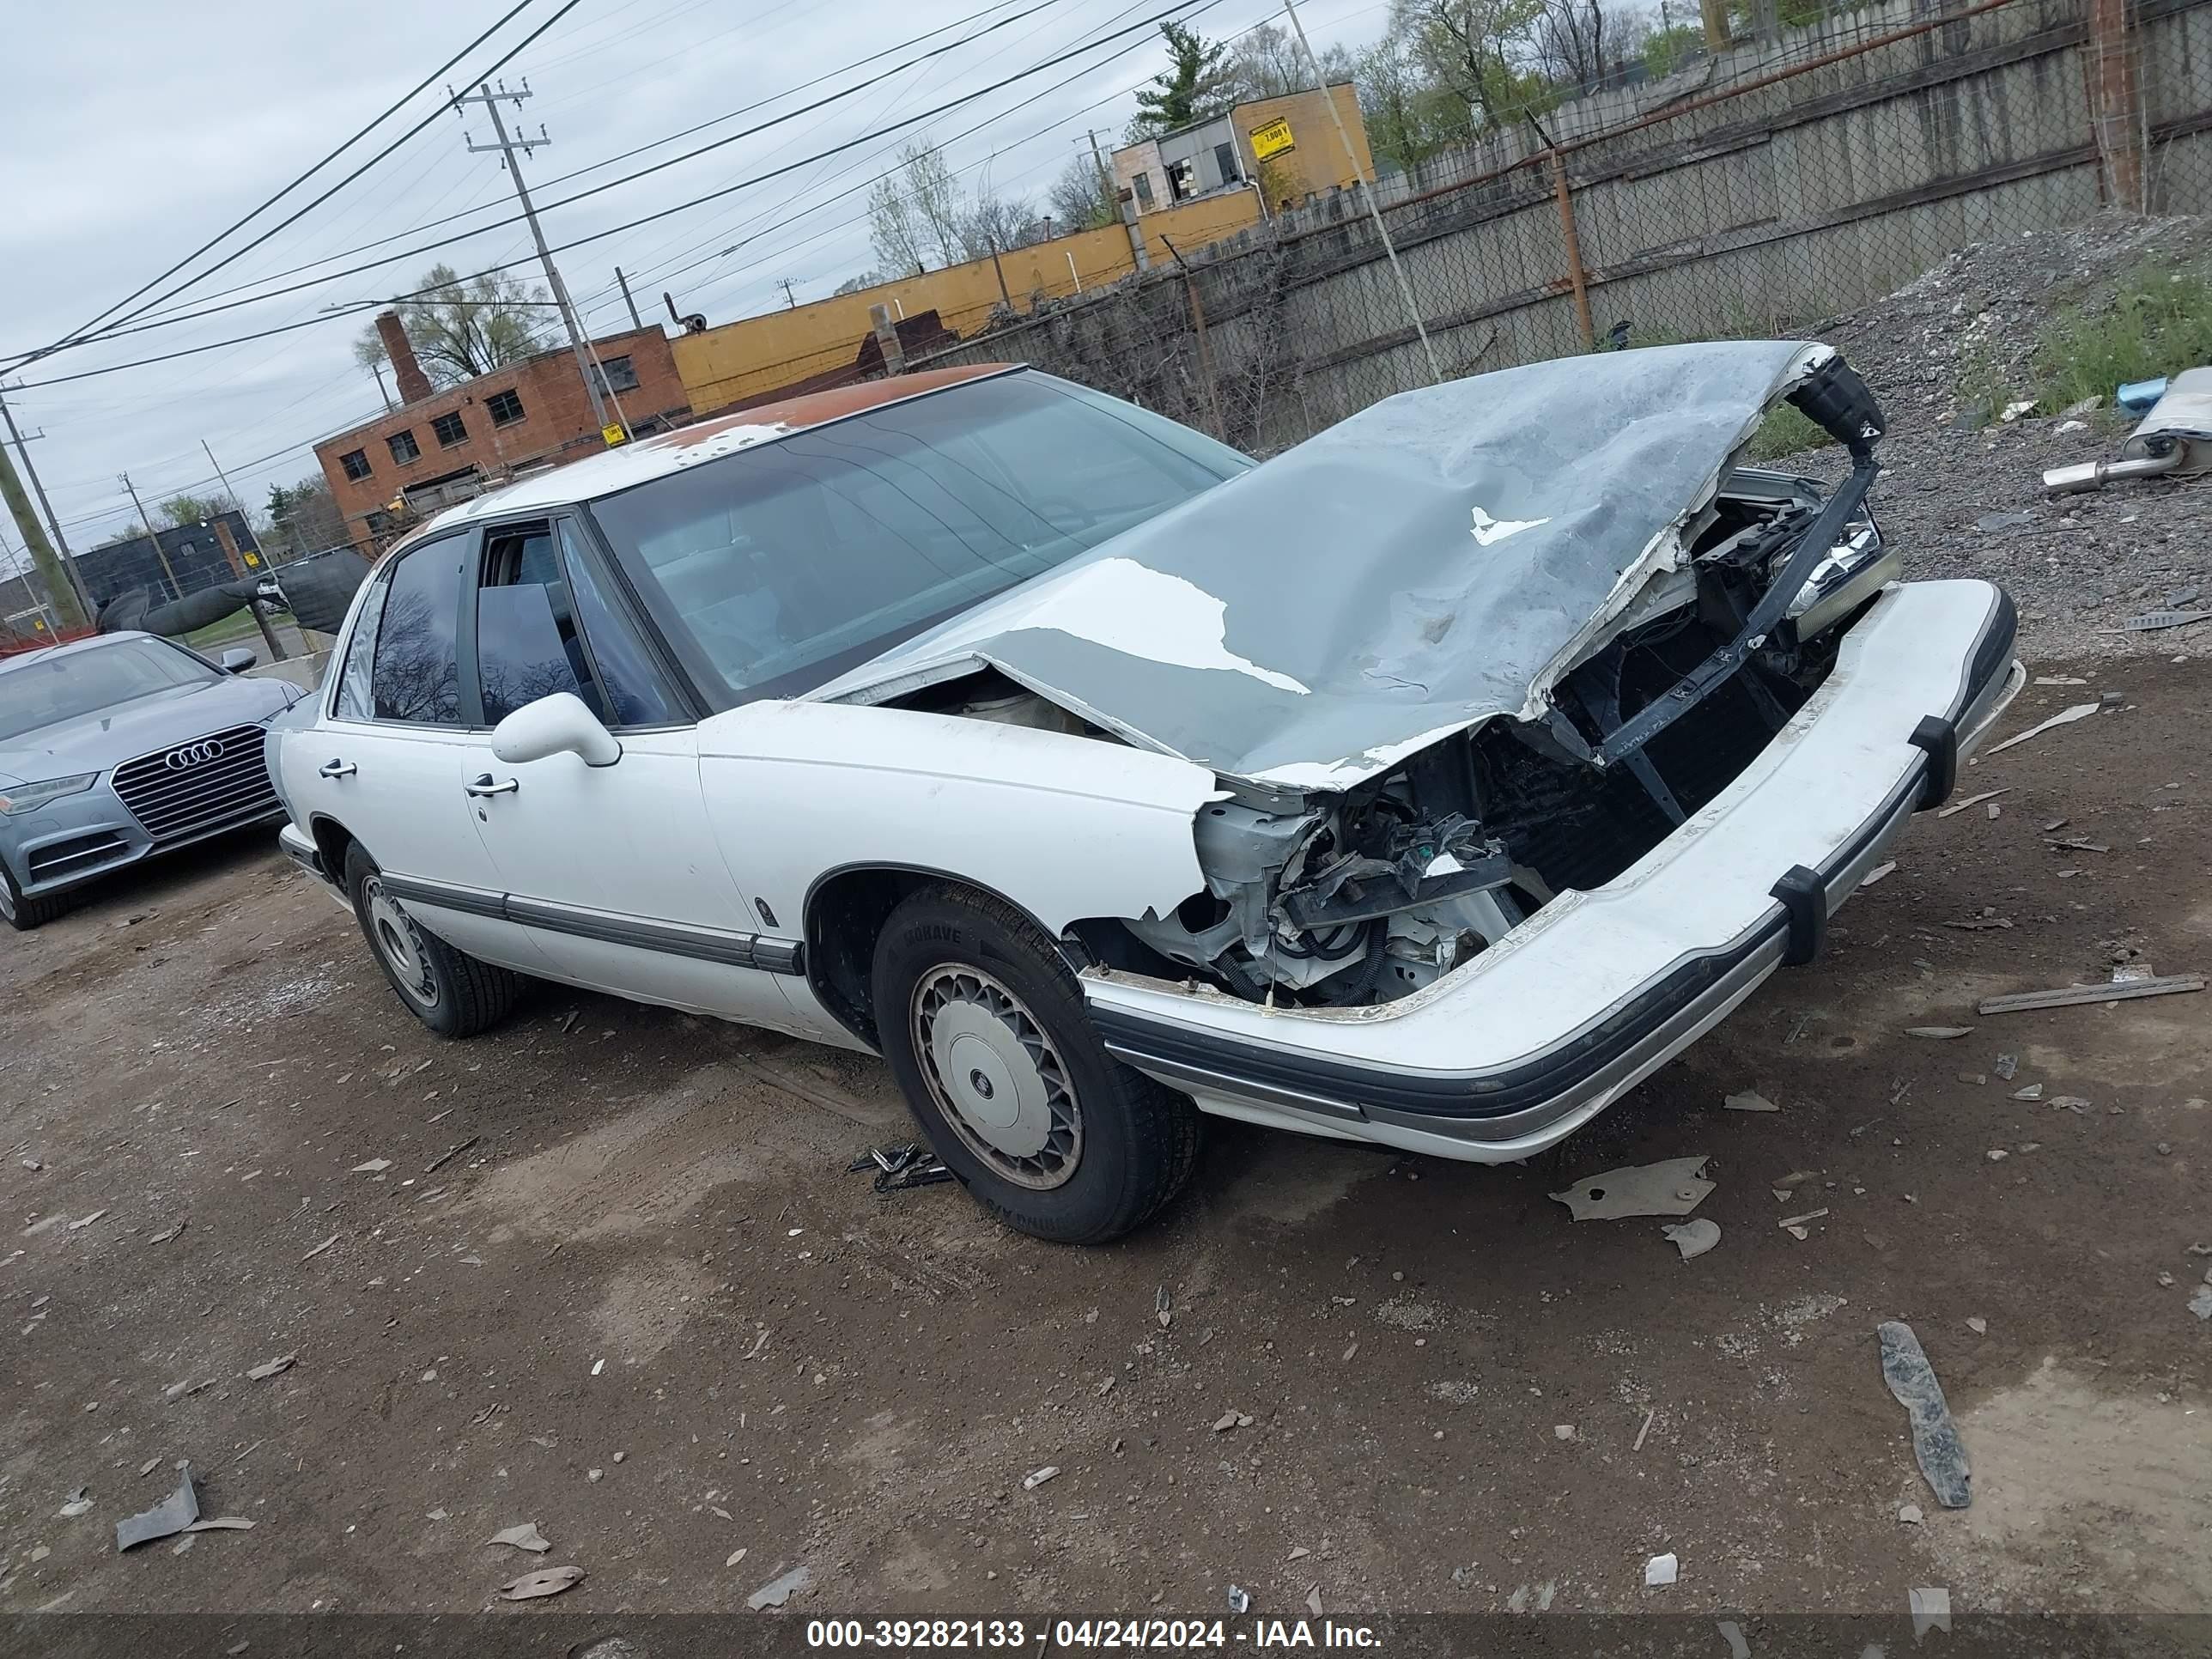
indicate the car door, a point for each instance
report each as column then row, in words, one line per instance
column 389, row 761
column 615, row 869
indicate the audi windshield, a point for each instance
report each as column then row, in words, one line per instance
column 784, row 564
column 50, row 687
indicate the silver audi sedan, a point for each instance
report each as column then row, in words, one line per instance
column 118, row 748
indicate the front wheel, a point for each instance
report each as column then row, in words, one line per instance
column 449, row 991
column 24, row 913
column 985, row 1029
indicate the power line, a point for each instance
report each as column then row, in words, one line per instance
column 644, row 219
column 391, row 110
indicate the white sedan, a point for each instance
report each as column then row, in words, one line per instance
column 1428, row 784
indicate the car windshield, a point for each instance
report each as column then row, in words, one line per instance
column 49, row 687
column 783, row 565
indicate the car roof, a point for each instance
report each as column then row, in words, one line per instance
column 70, row 648
column 666, row 452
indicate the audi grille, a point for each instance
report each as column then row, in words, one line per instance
column 190, row 789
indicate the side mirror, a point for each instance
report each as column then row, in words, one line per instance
column 237, row 660
column 559, row 725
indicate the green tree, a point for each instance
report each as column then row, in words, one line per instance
column 460, row 330
column 193, row 509
column 1666, row 50
column 1409, row 118
column 303, row 519
column 1198, row 83
column 1479, row 50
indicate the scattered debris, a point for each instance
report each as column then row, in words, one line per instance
column 79, row 1226
column 33, row 1165
column 1563, row 1430
column 79, row 1502
column 1649, row 1417
column 2031, row 1091
column 1936, row 1445
column 165, row 1236
column 1299, row 1552
column 1997, row 1154
column 1675, row 1186
column 320, row 1248
column 1163, row 1308
column 432, row 1168
column 1981, row 924
column 222, row 1523
column 1910, row 1515
column 177, row 1391
column 268, row 1367
column 2152, row 621
column 901, row 1165
column 1978, row 1325
column 568, row 1021
column 2200, row 1302
column 546, row 1581
column 524, row 1536
column 776, row 1591
column 2080, row 711
column 1939, row 1033
column 736, row 1556
column 1877, row 873
column 1232, row 1419
column 1661, row 1570
column 2006, row 1065
column 165, row 1519
column 1732, row 1633
column 1750, row 1101
column 1971, row 800
column 1313, row 1600
column 2067, row 995
column 1795, row 1224
column 374, row 1166
column 1694, row 1238
column 1240, row 1599
column 1036, row 1477
column 1932, row 1610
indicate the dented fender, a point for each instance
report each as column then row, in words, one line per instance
column 1063, row 827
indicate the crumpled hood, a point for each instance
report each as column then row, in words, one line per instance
column 1436, row 560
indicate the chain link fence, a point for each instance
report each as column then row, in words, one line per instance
column 1758, row 193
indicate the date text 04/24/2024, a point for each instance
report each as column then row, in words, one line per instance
column 1006, row 1634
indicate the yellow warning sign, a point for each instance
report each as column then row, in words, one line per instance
column 1271, row 139
column 613, row 434
column 251, row 563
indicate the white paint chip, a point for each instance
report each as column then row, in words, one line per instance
column 1490, row 531
column 1142, row 613
column 1661, row 1570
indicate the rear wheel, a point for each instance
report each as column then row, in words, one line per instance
column 449, row 991
column 23, row 914
column 985, row 1029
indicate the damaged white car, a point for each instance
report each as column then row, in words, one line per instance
column 1428, row 784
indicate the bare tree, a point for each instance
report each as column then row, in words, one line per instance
column 914, row 213
column 1574, row 42
column 991, row 223
column 461, row 330
column 1266, row 63
column 1082, row 197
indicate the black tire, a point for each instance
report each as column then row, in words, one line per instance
column 951, row 962
column 450, row 991
column 24, row 913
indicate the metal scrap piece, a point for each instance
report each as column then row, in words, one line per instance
column 1936, row 1445
column 165, row 1519
column 1675, row 1186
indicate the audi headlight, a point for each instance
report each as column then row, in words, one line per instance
column 29, row 797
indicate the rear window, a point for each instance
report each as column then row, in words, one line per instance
column 782, row 565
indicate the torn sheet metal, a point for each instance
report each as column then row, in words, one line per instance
column 1441, row 558
column 1675, row 1186
column 1936, row 1445
column 166, row 1518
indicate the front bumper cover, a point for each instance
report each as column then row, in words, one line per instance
column 1491, row 1063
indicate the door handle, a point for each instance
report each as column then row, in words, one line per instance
column 336, row 769
column 483, row 786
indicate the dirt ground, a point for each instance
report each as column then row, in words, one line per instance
column 616, row 1280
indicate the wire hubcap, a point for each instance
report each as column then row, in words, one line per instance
column 995, row 1076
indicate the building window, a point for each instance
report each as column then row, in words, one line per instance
column 404, row 448
column 1144, row 182
column 619, row 373
column 1224, row 162
column 450, row 429
column 506, row 408
column 354, row 463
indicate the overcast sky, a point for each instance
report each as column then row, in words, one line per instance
column 147, row 126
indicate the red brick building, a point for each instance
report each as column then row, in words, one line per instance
column 439, row 447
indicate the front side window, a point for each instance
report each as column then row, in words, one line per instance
column 632, row 686
column 404, row 448
column 785, row 563
column 528, row 643
column 55, row 686
column 354, row 464
column 417, row 676
column 504, row 408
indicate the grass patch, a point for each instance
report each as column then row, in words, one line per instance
column 1785, row 431
column 2160, row 323
column 226, row 630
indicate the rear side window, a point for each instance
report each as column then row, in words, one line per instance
column 417, row 677
column 355, row 702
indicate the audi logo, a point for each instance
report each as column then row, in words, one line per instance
column 193, row 754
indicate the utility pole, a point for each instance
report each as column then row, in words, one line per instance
column 153, row 535
column 238, row 506
column 62, row 577
column 622, row 283
column 1375, row 207
column 586, row 360
column 785, row 283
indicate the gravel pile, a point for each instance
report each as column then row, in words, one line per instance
column 1962, row 492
